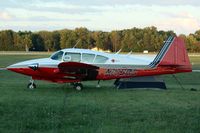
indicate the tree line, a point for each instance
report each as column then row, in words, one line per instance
column 135, row 39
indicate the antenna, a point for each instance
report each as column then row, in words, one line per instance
column 129, row 53
column 118, row 51
column 77, row 43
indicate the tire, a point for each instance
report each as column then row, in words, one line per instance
column 31, row 86
column 78, row 86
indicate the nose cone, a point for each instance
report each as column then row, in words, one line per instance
column 22, row 67
column 26, row 67
column 18, row 67
column 26, row 64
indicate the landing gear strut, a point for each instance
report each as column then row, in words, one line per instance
column 31, row 85
column 98, row 85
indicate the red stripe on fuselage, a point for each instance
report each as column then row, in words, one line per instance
column 54, row 75
column 44, row 73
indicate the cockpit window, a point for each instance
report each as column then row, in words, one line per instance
column 100, row 59
column 57, row 56
column 76, row 57
column 88, row 57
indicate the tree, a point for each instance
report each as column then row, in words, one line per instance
column 56, row 40
column 135, row 39
column 38, row 43
column 83, row 37
column 116, row 40
column 192, row 43
column 6, row 40
column 197, row 35
column 47, row 38
column 128, row 41
column 23, row 40
column 107, row 43
column 98, row 37
column 68, row 39
column 27, row 42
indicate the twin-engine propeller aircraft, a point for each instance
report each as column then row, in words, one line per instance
column 75, row 65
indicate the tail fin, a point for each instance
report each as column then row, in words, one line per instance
column 173, row 54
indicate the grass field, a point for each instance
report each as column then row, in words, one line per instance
column 59, row 108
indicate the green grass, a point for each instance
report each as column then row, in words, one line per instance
column 59, row 108
column 195, row 61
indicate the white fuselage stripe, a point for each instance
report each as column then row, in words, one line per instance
column 162, row 53
column 114, row 66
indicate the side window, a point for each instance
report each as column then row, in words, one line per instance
column 76, row 57
column 100, row 59
column 87, row 57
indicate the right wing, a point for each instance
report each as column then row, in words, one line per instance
column 78, row 70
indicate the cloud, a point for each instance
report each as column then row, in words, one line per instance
column 61, row 7
column 27, row 4
column 180, row 16
column 180, row 24
column 127, row 2
column 5, row 16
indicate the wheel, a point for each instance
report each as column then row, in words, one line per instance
column 78, row 86
column 98, row 86
column 31, row 86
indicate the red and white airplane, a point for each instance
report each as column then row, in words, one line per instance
column 75, row 65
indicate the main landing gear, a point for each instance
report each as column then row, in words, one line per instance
column 78, row 86
column 31, row 85
column 98, row 85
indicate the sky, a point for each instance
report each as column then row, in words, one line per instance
column 181, row 16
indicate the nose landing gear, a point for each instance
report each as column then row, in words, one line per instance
column 31, row 85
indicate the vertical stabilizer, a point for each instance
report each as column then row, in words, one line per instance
column 173, row 54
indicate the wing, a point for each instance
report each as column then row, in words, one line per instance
column 79, row 70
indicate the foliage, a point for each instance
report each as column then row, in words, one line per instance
column 135, row 39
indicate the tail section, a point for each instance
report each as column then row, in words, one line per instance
column 173, row 54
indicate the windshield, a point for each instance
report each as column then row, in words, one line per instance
column 57, row 56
